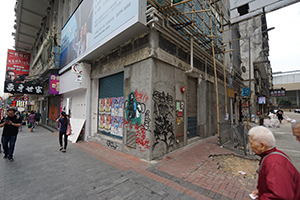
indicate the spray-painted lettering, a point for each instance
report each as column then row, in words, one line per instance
column 163, row 111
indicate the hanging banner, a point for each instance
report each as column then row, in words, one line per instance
column 54, row 84
column 17, row 66
column 231, row 93
column 23, row 88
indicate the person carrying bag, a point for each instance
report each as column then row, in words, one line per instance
column 64, row 124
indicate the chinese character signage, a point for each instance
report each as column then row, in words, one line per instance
column 17, row 66
column 277, row 92
column 261, row 100
column 246, row 92
column 23, row 88
column 54, row 84
column 111, row 116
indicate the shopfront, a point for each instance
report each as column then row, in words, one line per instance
column 111, row 101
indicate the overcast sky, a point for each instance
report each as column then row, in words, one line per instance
column 284, row 40
column 6, row 39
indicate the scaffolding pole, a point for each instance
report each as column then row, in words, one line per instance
column 224, row 71
column 216, row 78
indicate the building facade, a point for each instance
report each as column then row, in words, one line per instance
column 254, row 47
column 290, row 81
column 134, row 76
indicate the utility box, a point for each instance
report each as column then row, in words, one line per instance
column 179, row 126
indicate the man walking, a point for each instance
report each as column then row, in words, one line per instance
column 37, row 117
column 279, row 114
column 11, row 124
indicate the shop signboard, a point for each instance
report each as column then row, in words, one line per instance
column 17, row 66
column 246, row 92
column 231, row 93
column 23, row 88
column 54, row 84
column 261, row 100
column 277, row 92
column 95, row 23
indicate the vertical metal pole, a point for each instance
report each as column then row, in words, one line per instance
column 250, row 80
column 244, row 141
column 231, row 118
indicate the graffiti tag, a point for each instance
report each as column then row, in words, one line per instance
column 112, row 144
column 163, row 111
column 141, row 96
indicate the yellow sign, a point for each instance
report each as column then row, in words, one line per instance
column 231, row 93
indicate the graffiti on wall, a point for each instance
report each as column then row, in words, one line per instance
column 141, row 96
column 163, row 116
column 112, row 144
column 135, row 108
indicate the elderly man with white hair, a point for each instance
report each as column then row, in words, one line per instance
column 296, row 130
column 278, row 178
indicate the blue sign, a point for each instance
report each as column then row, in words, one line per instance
column 230, row 83
column 246, row 92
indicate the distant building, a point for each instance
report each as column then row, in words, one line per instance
column 290, row 81
column 260, row 70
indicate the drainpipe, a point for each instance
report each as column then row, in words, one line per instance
column 192, row 56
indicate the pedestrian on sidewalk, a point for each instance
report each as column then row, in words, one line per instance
column 296, row 130
column 279, row 114
column 11, row 124
column 278, row 178
column 31, row 121
column 63, row 124
column 38, row 117
column 21, row 117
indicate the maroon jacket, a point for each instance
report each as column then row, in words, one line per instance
column 278, row 178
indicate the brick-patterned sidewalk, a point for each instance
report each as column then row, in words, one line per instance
column 189, row 170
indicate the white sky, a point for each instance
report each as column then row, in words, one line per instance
column 284, row 40
column 7, row 16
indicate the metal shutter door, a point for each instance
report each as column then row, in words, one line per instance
column 112, row 86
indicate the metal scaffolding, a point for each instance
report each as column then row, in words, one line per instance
column 200, row 21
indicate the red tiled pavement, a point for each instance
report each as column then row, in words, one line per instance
column 191, row 163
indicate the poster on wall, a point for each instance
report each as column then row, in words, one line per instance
column 107, row 123
column 17, row 66
column 101, row 105
column 117, row 106
column 110, row 119
column 108, row 105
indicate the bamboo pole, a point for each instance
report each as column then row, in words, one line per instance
column 216, row 80
column 224, row 73
column 197, row 11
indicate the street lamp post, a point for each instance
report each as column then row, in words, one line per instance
column 250, row 68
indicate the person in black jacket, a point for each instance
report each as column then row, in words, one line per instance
column 11, row 124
